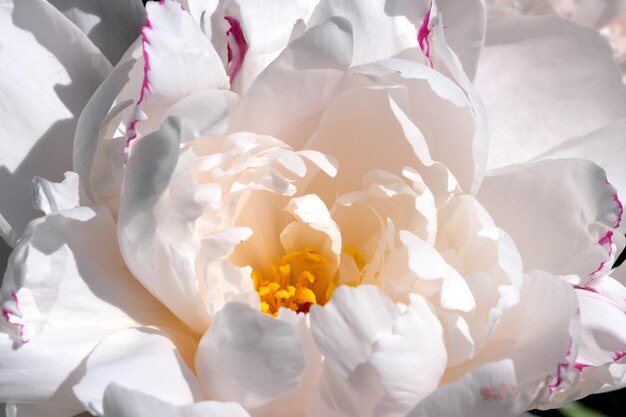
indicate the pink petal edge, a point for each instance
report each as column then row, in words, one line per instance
column 237, row 48
column 422, row 36
column 10, row 312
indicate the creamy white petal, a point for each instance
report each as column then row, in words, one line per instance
column 267, row 29
column 178, row 60
column 532, row 97
column 379, row 361
column 606, row 147
column 142, row 359
column 313, row 65
column 381, row 29
column 39, row 116
column 538, row 335
column 101, row 177
column 67, row 272
column 154, row 232
column 249, row 357
column 487, row 258
column 51, row 197
column 123, row 402
column 490, row 390
column 453, row 292
column 111, row 26
column 560, row 213
column 465, row 30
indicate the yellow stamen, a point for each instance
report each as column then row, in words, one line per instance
column 300, row 281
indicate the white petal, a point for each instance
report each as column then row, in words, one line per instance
column 267, row 28
column 532, row 98
column 454, row 292
column 51, row 197
column 313, row 65
column 111, row 26
column 489, row 262
column 465, row 30
column 596, row 13
column 101, row 177
column 44, row 369
column 122, row 402
column 433, row 102
column 347, row 327
column 560, row 213
column 539, row 335
column 311, row 210
column 410, row 360
column 154, row 232
column 179, row 59
column 487, row 391
column 141, row 359
column 379, row 361
column 66, row 272
column 606, row 147
column 381, row 30
column 249, row 357
column 38, row 125
column 603, row 318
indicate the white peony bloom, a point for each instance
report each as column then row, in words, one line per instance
column 284, row 209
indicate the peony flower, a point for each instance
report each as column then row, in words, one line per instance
column 285, row 209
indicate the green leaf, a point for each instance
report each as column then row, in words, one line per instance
column 576, row 409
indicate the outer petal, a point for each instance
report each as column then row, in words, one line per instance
column 66, row 288
column 66, row 272
column 538, row 334
column 39, row 117
column 142, row 359
column 250, row 358
column 314, row 65
column 178, row 60
column 267, row 28
column 384, row 361
column 488, row 391
column 381, row 29
column 123, row 402
column 153, row 229
column 606, row 147
column 537, row 75
column 465, row 30
column 111, row 26
column 560, row 213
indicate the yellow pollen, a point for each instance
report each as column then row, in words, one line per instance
column 297, row 283
column 356, row 255
column 300, row 281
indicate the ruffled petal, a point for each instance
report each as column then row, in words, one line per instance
column 538, row 335
column 381, row 30
column 532, row 97
column 314, row 65
column 266, row 29
column 111, row 26
column 490, row 390
column 560, row 213
column 67, row 273
column 141, row 359
column 178, row 60
column 379, row 361
column 39, row 116
column 123, row 402
column 465, row 30
column 251, row 358
column 161, row 254
column 607, row 148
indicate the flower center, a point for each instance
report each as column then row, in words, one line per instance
column 300, row 281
